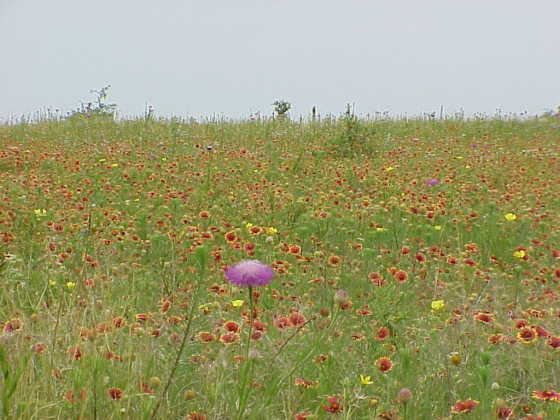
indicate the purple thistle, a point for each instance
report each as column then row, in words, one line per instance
column 249, row 273
column 432, row 181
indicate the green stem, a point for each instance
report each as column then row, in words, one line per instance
column 247, row 368
column 186, row 335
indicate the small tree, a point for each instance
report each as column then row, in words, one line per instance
column 97, row 108
column 281, row 108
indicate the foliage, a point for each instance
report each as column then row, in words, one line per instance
column 419, row 284
column 98, row 108
column 281, row 108
column 352, row 135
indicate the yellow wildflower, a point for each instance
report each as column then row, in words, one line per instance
column 510, row 217
column 455, row 358
column 237, row 303
column 365, row 380
column 438, row 305
column 519, row 254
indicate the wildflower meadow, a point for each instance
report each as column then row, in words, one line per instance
column 330, row 268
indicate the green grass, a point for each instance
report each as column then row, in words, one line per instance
column 127, row 205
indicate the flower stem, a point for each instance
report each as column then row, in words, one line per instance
column 247, row 368
column 186, row 335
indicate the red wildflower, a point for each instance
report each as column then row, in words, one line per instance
column 102, row 328
column 229, row 338
column 294, row 249
column 520, row 323
column 469, row 261
column 255, row 230
column 232, row 326
column 376, row 279
column 496, row 338
column 75, row 352
column 7, row 237
column 541, row 332
column 471, row 247
column 249, row 247
column 296, row 319
column 401, row 276
column 546, row 395
column 71, row 397
column 465, row 406
column 145, row 388
column 305, row 383
column 504, row 412
column 389, row 415
column 119, row 322
column 334, row 260
column 382, row 334
column 256, row 335
column 165, row 305
column 384, row 364
column 205, row 337
column 281, row 322
column 142, row 317
column 230, row 236
column 302, row 415
column 536, row 313
column 115, row 393
column 259, row 325
column 364, row 311
column 554, row 342
column 39, row 348
column 527, row 335
column 13, row 325
column 196, row 416
column 334, row 405
column 484, row 317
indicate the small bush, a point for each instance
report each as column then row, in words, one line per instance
column 281, row 108
column 96, row 109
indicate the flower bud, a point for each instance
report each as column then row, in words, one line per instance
column 404, row 395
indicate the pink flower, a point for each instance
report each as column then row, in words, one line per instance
column 249, row 273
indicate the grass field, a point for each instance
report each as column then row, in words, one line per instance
column 417, row 269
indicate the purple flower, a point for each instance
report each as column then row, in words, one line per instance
column 432, row 181
column 249, row 273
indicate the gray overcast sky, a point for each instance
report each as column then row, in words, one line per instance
column 204, row 57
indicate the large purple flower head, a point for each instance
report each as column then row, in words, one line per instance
column 249, row 273
column 432, row 181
